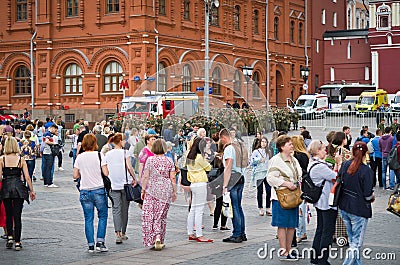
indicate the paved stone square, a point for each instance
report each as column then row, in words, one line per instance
column 53, row 232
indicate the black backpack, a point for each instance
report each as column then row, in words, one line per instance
column 311, row 192
column 393, row 159
column 55, row 149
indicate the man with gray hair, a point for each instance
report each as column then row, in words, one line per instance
column 83, row 132
column 101, row 139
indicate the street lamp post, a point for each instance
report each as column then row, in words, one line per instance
column 208, row 4
column 305, row 72
column 248, row 72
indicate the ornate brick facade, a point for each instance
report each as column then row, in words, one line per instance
column 81, row 53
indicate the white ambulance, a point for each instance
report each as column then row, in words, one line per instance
column 310, row 106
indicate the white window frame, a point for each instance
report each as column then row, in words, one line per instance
column 349, row 50
column 334, row 19
column 366, row 74
column 387, row 13
column 332, row 74
column 323, row 17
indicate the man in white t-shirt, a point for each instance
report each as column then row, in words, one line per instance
column 49, row 138
column 234, row 187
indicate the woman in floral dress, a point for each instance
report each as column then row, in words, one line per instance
column 159, row 189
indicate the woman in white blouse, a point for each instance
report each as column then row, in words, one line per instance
column 119, row 164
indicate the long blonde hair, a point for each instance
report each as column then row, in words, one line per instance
column 298, row 144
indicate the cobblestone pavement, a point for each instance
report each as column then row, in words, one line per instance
column 53, row 232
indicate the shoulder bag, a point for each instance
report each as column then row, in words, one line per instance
column 106, row 182
column 25, row 190
column 132, row 193
column 71, row 153
column 289, row 199
column 394, row 201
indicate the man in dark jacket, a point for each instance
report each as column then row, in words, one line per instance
column 385, row 145
column 101, row 139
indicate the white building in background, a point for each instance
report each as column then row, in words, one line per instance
column 357, row 14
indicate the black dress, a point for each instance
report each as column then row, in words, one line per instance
column 13, row 186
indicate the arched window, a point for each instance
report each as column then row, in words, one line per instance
column 214, row 15
column 186, row 79
column 216, row 81
column 22, row 80
column 186, row 10
column 276, row 28
column 73, row 79
column 237, row 86
column 349, row 18
column 291, row 31
column 300, row 33
column 255, row 21
column 383, row 17
column 112, row 6
column 256, row 85
column 162, row 77
column 236, row 18
column 112, row 77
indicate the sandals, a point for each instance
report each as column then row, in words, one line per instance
column 10, row 242
column 18, row 246
column 204, row 240
column 157, row 245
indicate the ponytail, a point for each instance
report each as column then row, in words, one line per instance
column 359, row 151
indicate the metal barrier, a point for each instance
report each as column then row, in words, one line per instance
column 353, row 119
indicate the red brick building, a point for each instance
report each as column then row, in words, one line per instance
column 347, row 57
column 82, row 50
column 327, row 15
column 385, row 44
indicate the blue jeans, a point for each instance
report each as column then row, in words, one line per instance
column 238, row 215
column 89, row 200
column 391, row 174
column 31, row 167
column 47, row 167
column 384, row 170
column 392, row 177
column 74, row 151
column 355, row 226
column 302, row 228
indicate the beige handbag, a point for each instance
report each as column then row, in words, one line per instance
column 289, row 199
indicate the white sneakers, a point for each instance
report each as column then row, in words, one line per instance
column 60, row 169
column 52, row 186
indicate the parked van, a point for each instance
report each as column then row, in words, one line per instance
column 395, row 103
column 371, row 100
column 311, row 105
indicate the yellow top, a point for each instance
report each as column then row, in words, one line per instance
column 197, row 171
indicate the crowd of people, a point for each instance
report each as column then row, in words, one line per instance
column 206, row 159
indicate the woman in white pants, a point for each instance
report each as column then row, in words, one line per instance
column 119, row 164
column 197, row 167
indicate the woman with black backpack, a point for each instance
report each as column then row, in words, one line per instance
column 322, row 175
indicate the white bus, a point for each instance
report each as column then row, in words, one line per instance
column 343, row 97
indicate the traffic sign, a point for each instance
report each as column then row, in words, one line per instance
column 305, row 86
